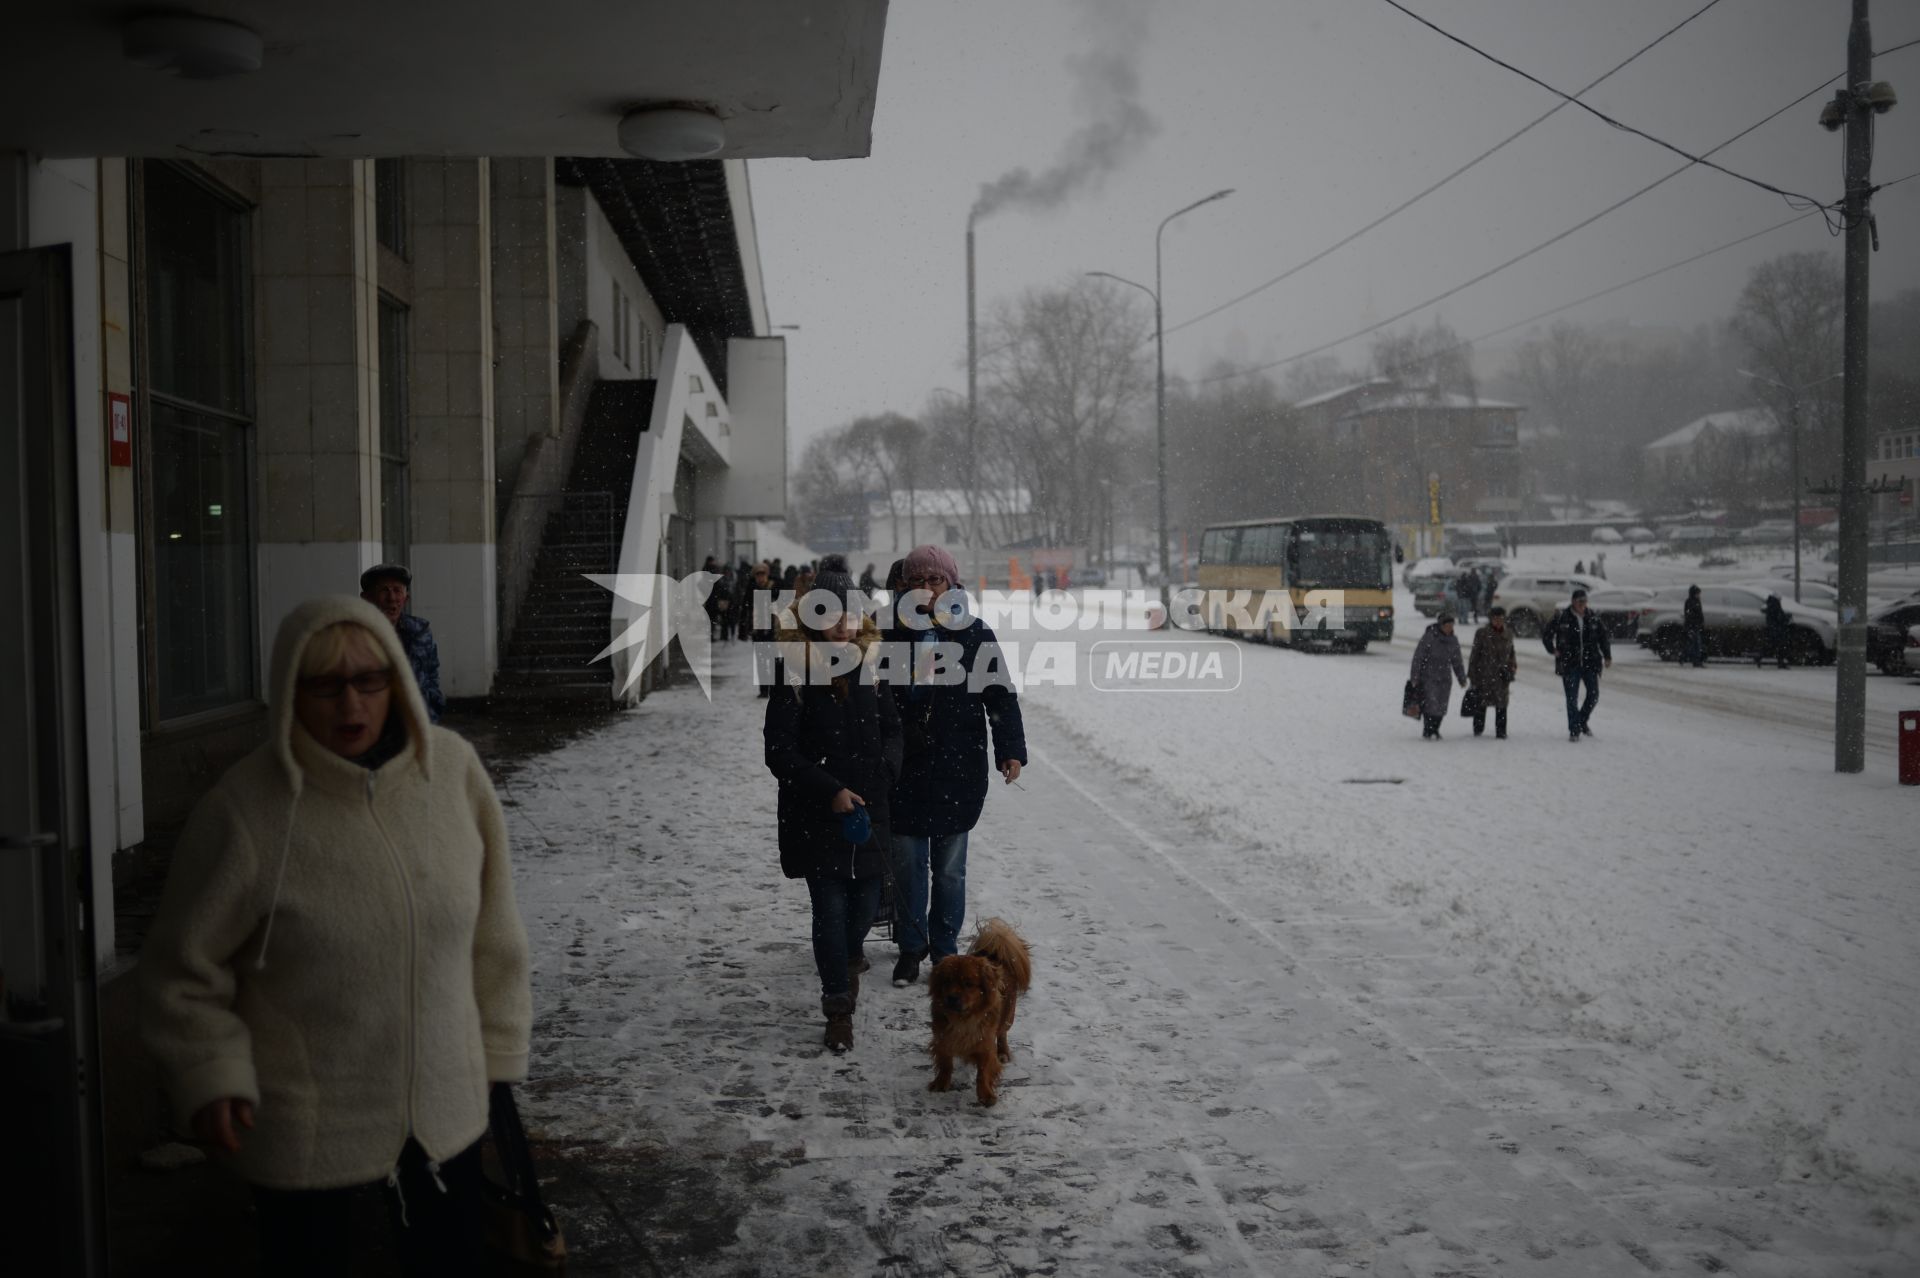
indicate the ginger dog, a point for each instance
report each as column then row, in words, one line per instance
column 974, row 996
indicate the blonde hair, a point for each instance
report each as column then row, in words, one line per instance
column 331, row 647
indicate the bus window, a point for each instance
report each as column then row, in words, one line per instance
column 1332, row 557
column 1257, row 546
column 1229, row 545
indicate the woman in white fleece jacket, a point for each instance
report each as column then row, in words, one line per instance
column 338, row 972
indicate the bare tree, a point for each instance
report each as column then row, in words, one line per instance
column 888, row 447
column 1789, row 319
column 830, row 493
column 1431, row 360
column 1061, row 373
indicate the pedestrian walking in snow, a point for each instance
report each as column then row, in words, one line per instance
column 943, row 778
column 338, row 973
column 1779, row 632
column 1468, row 589
column 1436, row 663
column 1693, row 624
column 720, row 607
column 1489, row 582
column 833, row 740
column 1490, row 671
column 389, row 587
column 1580, row 647
column 759, row 596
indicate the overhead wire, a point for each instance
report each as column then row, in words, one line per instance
column 1573, row 100
column 1581, row 301
column 1764, row 120
column 1408, row 203
column 1823, row 209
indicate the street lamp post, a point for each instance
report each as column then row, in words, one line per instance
column 1793, row 394
column 1160, row 379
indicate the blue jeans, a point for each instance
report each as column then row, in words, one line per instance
column 913, row 856
column 1694, row 656
column 1577, row 714
column 843, row 910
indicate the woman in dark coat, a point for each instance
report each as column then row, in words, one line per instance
column 834, row 743
column 1693, row 624
column 1436, row 663
column 943, row 776
column 1490, row 669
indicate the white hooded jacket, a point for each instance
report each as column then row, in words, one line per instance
column 340, row 945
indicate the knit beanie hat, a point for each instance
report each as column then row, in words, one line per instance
column 922, row 560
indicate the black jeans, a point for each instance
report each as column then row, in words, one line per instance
column 437, row 1233
column 843, row 910
column 1499, row 721
column 1430, row 724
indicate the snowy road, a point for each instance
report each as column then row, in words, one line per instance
column 1279, row 1026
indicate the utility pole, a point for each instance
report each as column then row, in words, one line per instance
column 1857, row 100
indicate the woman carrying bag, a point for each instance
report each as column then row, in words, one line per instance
column 338, row 973
column 833, row 740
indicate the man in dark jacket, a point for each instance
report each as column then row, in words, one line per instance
column 388, row 587
column 1578, row 641
column 943, row 777
column 1779, row 621
column 1693, row 624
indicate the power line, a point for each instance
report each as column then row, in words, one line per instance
column 1527, row 253
column 1572, row 100
column 1404, row 205
column 1567, row 306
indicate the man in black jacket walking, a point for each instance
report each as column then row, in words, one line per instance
column 1578, row 642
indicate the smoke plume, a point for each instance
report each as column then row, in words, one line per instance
column 1107, row 95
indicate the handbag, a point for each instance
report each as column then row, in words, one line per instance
column 1470, row 703
column 1410, row 702
column 522, row 1236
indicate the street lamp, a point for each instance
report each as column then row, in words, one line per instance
column 1793, row 394
column 1160, row 378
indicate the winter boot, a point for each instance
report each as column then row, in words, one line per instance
column 907, row 970
column 838, row 1009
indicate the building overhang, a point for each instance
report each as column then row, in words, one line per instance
column 355, row 78
column 682, row 226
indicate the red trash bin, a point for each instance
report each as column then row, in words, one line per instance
column 1910, row 747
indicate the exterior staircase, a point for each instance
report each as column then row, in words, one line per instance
column 565, row 620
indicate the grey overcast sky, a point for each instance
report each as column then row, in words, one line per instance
column 1322, row 114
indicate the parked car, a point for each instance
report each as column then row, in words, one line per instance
column 1887, row 629
column 1639, row 535
column 1619, row 608
column 1426, row 568
column 1605, row 536
column 1736, row 625
column 1913, row 650
column 1771, row 532
column 1532, row 599
column 1696, row 535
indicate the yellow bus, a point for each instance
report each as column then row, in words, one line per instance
column 1308, row 561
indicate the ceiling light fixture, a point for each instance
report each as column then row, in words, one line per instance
column 672, row 133
column 193, row 47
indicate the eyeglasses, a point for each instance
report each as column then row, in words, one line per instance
column 334, row 687
column 920, row 583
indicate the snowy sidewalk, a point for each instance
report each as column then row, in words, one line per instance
column 1208, row 1076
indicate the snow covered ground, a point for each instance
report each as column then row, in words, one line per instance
column 1311, row 996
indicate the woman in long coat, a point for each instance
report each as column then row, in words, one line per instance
column 1436, row 663
column 833, row 740
column 1490, row 669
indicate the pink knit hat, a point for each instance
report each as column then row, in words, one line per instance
column 922, row 560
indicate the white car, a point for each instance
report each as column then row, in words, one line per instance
column 1639, row 535
column 1434, row 566
column 1605, row 536
column 1531, row 599
column 1912, row 657
column 1736, row 625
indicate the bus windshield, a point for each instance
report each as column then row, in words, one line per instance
column 1342, row 557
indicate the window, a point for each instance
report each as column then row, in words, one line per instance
column 619, row 325
column 197, row 375
column 395, row 513
column 390, row 206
